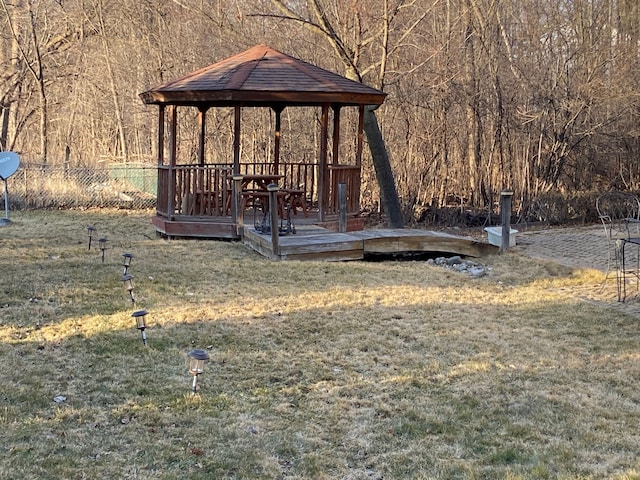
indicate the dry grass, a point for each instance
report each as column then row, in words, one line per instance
column 318, row 370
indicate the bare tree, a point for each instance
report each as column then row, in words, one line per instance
column 28, row 45
column 539, row 95
column 360, row 35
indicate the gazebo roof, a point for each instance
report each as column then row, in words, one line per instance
column 262, row 76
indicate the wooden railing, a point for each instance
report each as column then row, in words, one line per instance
column 162, row 198
column 206, row 190
column 350, row 176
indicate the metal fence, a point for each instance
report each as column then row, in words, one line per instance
column 128, row 185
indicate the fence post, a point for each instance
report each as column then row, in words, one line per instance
column 342, row 207
column 237, row 215
column 273, row 188
column 505, row 214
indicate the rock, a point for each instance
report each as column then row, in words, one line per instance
column 477, row 272
column 457, row 264
column 455, row 260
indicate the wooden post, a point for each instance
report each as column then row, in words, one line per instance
column 237, row 113
column 336, row 134
column 202, row 122
column 505, row 213
column 161, row 135
column 237, row 214
column 276, row 141
column 273, row 188
column 323, row 174
column 342, row 207
column 173, row 151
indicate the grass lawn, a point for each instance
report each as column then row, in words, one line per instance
column 356, row 370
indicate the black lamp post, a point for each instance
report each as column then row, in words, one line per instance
column 102, row 242
column 126, row 262
column 127, row 281
column 91, row 230
column 141, row 324
column 196, row 365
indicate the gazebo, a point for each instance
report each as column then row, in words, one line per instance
column 206, row 199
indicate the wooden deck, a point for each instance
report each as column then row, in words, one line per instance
column 317, row 243
column 195, row 227
column 314, row 242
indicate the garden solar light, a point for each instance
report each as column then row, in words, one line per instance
column 91, row 230
column 196, row 364
column 140, row 317
column 126, row 262
column 103, row 246
column 127, row 281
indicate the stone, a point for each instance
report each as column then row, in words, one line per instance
column 477, row 272
column 455, row 260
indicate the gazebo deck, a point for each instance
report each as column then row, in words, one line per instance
column 323, row 242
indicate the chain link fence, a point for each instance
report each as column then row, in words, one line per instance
column 122, row 185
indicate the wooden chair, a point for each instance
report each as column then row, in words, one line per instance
column 296, row 199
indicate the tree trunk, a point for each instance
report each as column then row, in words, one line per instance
column 382, row 165
column 4, row 129
column 38, row 73
column 114, row 92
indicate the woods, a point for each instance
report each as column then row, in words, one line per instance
column 540, row 96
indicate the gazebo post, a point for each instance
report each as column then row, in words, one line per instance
column 333, row 200
column 237, row 115
column 323, row 190
column 336, row 134
column 276, row 141
column 199, row 180
column 173, row 146
column 202, row 120
column 359, row 145
column 360, row 135
column 160, row 190
column 237, row 216
column 161, row 135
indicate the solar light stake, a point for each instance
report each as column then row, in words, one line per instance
column 127, row 281
column 103, row 246
column 126, row 262
column 141, row 323
column 196, row 365
column 91, row 230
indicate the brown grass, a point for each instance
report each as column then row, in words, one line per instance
column 318, row 370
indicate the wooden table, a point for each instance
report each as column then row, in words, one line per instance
column 295, row 198
column 254, row 191
column 260, row 182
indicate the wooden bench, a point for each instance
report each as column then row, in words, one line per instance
column 296, row 199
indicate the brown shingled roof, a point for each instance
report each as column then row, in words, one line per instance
column 262, row 76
